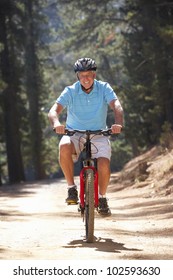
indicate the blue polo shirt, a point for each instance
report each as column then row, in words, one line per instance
column 87, row 111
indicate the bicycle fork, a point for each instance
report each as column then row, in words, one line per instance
column 82, row 187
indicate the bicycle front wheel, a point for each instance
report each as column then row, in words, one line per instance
column 89, row 205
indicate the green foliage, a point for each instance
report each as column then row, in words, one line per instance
column 121, row 153
column 51, row 155
column 147, row 58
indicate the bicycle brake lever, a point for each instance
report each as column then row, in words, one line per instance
column 107, row 132
column 69, row 132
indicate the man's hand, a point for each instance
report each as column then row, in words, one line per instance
column 116, row 128
column 59, row 129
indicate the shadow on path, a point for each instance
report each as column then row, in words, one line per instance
column 15, row 191
column 101, row 244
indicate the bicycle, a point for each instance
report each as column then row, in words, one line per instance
column 88, row 198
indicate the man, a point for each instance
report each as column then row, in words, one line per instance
column 86, row 102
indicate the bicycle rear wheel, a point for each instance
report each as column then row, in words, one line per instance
column 89, row 205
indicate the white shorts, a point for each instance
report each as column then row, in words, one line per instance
column 100, row 145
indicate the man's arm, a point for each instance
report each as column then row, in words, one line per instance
column 118, row 115
column 53, row 116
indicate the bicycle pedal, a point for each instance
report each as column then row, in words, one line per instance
column 81, row 210
column 71, row 202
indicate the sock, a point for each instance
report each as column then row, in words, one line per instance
column 102, row 195
column 71, row 186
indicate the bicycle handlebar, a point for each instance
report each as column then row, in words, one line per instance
column 105, row 132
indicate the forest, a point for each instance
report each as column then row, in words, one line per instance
column 132, row 44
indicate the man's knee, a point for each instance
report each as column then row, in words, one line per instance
column 103, row 163
column 103, row 160
column 65, row 148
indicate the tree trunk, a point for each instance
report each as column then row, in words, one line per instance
column 15, row 164
column 34, row 91
column 9, row 106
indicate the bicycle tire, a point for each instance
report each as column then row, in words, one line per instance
column 89, row 205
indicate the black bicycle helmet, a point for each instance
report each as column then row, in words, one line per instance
column 85, row 64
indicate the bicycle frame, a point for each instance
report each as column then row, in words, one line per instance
column 89, row 163
column 89, row 199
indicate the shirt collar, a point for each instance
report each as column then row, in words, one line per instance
column 80, row 91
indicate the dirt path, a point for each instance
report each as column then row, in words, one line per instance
column 35, row 223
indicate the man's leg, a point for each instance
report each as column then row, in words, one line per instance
column 103, row 165
column 66, row 149
column 104, row 176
